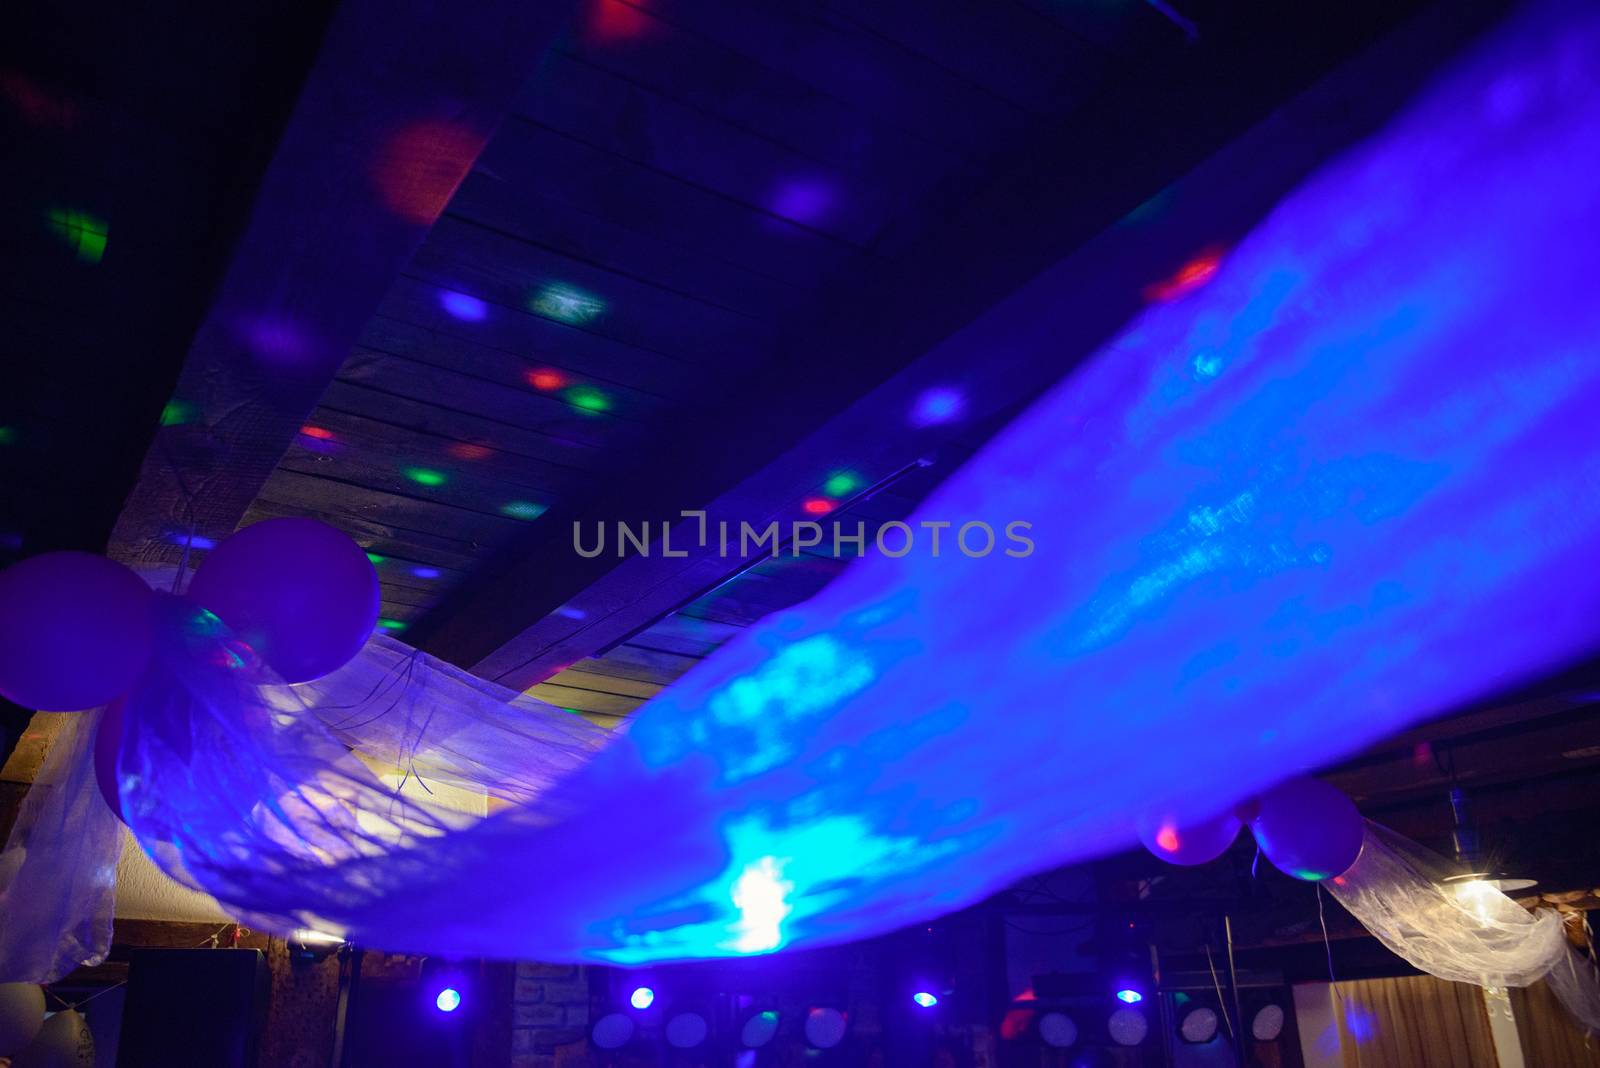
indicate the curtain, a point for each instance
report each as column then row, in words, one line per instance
column 1549, row 1035
column 1414, row 1021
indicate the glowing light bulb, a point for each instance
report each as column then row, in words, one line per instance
column 642, row 998
column 449, row 999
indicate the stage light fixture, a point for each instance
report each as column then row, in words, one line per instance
column 924, row 999
column 612, row 1031
column 825, row 1027
column 447, row 1000
column 1199, row 1025
column 759, row 1028
column 1128, row 1027
column 1129, row 996
column 642, row 997
column 1057, row 1030
column 1267, row 1024
column 686, row 1030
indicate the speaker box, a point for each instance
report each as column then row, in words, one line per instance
column 193, row 1007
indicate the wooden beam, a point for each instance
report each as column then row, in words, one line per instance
column 841, row 395
column 397, row 106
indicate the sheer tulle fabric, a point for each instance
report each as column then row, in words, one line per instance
column 1414, row 902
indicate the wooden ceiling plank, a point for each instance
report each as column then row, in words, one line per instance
column 396, row 106
column 413, row 324
column 425, row 418
column 591, row 298
column 541, row 219
column 764, row 102
column 380, row 437
column 896, row 86
column 626, row 119
column 996, row 45
column 573, row 172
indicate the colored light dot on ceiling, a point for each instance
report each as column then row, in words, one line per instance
column 320, row 433
column 841, row 484
column 546, row 379
column 177, row 413
column 523, row 509
column 567, row 305
column 467, row 309
column 642, row 997
column 425, row 572
column 193, row 541
column 818, row 506
column 1191, row 276
column 449, row 999
column 391, row 624
column 467, row 450
column 82, row 232
column 590, row 400
column 424, row 476
column 925, row 999
column 376, row 558
column 938, row 405
column 1129, row 997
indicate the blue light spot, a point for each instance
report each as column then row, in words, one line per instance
column 938, row 405
column 642, row 997
column 1129, row 996
column 468, row 309
column 425, row 572
column 925, row 999
column 449, row 999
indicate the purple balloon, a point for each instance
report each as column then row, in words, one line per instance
column 299, row 592
column 75, row 631
column 107, row 747
column 1190, row 843
column 1308, row 829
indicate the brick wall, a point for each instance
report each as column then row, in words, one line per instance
column 549, row 1016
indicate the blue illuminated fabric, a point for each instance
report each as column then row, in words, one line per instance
column 1350, row 482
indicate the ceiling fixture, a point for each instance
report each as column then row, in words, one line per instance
column 1478, row 875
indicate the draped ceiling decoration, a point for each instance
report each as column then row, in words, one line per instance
column 1349, row 482
column 1467, row 931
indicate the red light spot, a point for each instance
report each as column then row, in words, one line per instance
column 419, row 167
column 546, row 379
column 818, row 506
column 609, row 21
column 1191, row 276
column 466, row 450
column 1015, row 1023
column 1167, row 838
column 1422, row 755
column 320, row 433
column 37, row 105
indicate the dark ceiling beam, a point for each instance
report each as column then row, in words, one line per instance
column 841, row 395
column 397, row 105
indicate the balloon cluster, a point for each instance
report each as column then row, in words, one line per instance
column 77, row 630
column 1306, row 828
column 32, row 1041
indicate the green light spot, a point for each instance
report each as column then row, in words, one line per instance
column 590, row 400
column 841, row 484
column 424, row 476
column 574, row 711
column 567, row 305
column 177, row 413
column 522, row 509
column 85, row 233
column 391, row 624
column 8, row 435
column 376, row 559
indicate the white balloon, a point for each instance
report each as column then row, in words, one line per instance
column 63, row 1042
column 21, row 1014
